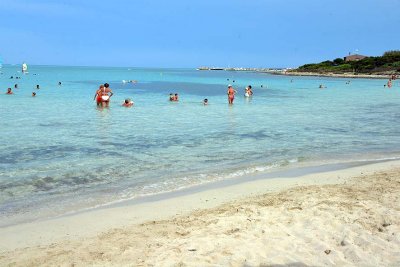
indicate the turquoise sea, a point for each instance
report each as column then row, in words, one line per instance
column 60, row 154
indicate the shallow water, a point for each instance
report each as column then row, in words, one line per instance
column 59, row 153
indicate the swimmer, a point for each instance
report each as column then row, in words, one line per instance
column 59, row 83
column 171, row 97
column 389, row 83
column 205, row 102
column 33, row 94
column 127, row 103
column 16, row 86
column 249, row 91
column 9, row 91
column 37, row 86
column 231, row 94
column 176, row 98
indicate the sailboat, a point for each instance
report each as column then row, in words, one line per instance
column 24, row 68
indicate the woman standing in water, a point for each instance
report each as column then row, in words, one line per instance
column 231, row 94
column 97, row 96
column 103, row 95
column 106, row 94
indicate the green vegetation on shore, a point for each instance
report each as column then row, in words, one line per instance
column 389, row 62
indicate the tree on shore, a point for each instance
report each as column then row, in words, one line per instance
column 388, row 62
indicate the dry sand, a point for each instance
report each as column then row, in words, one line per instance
column 343, row 218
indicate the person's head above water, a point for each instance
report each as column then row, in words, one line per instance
column 33, row 94
column 249, row 86
column 127, row 103
column 106, row 85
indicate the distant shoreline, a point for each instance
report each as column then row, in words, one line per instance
column 287, row 72
column 333, row 75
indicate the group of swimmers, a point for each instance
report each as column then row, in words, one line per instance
column 389, row 83
column 232, row 92
column 103, row 95
column 10, row 92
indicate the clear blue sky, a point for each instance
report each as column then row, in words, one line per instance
column 162, row 33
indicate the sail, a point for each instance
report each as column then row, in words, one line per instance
column 24, row 67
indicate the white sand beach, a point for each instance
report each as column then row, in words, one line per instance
column 347, row 217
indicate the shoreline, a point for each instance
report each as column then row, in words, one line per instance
column 331, row 75
column 288, row 172
column 27, row 242
column 284, row 72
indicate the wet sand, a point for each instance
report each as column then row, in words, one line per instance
column 344, row 217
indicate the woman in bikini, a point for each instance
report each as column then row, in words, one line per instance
column 105, row 97
column 231, row 94
column 97, row 96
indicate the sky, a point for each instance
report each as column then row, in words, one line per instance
column 172, row 33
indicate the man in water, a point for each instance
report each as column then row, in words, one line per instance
column 33, row 94
column 9, row 91
column 127, row 103
column 248, row 91
column 231, row 94
column 176, row 98
column 205, row 102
